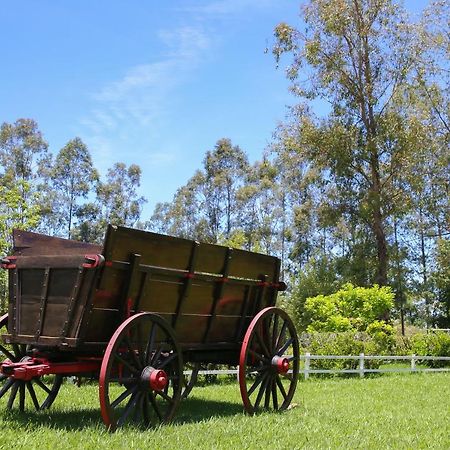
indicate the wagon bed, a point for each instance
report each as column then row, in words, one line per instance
column 75, row 302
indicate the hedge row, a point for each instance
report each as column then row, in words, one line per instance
column 347, row 343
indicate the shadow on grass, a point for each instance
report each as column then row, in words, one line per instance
column 190, row 410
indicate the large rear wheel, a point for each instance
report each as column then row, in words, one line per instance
column 269, row 362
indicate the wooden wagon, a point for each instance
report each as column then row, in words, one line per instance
column 141, row 314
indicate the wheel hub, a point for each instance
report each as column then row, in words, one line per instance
column 157, row 379
column 280, row 364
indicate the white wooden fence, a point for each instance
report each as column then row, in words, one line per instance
column 306, row 370
column 362, row 369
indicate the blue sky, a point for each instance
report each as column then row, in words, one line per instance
column 155, row 83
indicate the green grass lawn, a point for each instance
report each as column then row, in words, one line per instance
column 396, row 411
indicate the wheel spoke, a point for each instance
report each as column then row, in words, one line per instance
column 41, row 385
column 280, row 336
column 281, row 387
column 145, row 408
column 167, row 361
column 22, row 396
column 267, row 393
column 274, row 331
column 141, row 347
column 123, row 396
column 261, row 392
column 257, row 382
column 13, row 394
column 6, row 386
column 138, row 408
column 155, row 406
column 165, row 396
column 281, row 351
column 156, row 356
column 132, row 352
column 258, row 356
column 130, row 405
column 33, row 395
column 274, row 395
column 127, row 364
column 151, row 342
column 124, row 380
column 7, row 353
column 262, row 344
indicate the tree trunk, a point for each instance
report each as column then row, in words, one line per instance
column 377, row 217
column 382, row 254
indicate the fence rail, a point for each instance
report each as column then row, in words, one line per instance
column 306, row 371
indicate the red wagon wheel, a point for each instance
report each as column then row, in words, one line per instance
column 141, row 373
column 42, row 391
column 269, row 362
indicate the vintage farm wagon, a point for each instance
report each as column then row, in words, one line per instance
column 135, row 314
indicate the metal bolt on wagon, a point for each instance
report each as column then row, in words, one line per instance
column 142, row 314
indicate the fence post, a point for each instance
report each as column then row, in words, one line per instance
column 307, row 359
column 361, row 365
column 413, row 362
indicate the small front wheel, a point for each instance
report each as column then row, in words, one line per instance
column 269, row 362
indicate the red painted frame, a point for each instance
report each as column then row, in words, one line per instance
column 37, row 367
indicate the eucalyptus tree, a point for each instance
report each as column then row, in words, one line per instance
column 183, row 217
column 116, row 202
column 73, row 177
column 259, row 202
column 118, row 196
column 224, row 171
column 24, row 159
column 355, row 55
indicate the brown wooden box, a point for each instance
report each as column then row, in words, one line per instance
column 208, row 293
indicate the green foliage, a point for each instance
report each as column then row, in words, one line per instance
column 350, row 309
column 432, row 344
column 340, row 343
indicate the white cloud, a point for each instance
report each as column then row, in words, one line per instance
column 141, row 99
column 139, row 102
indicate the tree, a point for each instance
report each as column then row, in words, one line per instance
column 24, row 160
column 118, row 196
column 15, row 212
column 207, row 207
column 117, row 202
column 441, row 278
column 224, row 170
column 73, row 176
column 356, row 55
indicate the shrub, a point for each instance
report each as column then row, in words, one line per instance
column 432, row 344
column 347, row 343
column 383, row 336
column 350, row 309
